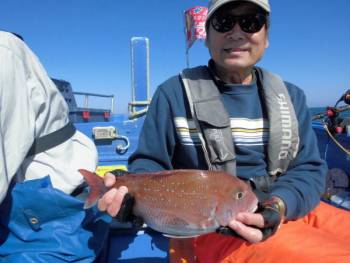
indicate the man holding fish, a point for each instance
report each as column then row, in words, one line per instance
column 235, row 117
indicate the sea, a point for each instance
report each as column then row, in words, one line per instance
column 317, row 110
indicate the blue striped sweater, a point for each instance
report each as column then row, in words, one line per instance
column 169, row 140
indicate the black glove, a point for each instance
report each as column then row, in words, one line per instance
column 227, row 231
column 272, row 211
column 125, row 213
column 119, row 172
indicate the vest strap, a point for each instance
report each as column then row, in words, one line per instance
column 211, row 119
column 262, row 182
column 283, row 124
column 51, row 140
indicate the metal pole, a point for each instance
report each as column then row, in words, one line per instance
column 187, row 60
column 148, row 69
column 112, row 106
column 186, row 47
column 132, row 75
column 86, row 101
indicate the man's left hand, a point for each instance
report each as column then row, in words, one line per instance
column 257, row 227
column 248, row 226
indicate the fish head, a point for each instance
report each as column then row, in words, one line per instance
column 239, row 198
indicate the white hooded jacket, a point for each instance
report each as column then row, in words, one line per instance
column 30, row 107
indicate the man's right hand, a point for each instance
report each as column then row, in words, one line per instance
column 111, row 201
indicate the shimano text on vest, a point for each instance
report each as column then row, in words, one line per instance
column 286, row 127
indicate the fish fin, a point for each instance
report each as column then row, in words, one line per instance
column 179, row 237
column 97, row 187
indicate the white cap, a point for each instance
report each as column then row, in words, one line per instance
column 216, row 4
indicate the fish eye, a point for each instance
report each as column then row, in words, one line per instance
column 239, row 195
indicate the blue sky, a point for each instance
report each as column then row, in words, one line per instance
column 87, row 42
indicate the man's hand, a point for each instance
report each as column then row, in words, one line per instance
column 118, row 203
column 257, row 227
column 112, row 200
column 248, row 226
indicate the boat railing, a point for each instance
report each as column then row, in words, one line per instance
column 138, row 109
column 87, row 95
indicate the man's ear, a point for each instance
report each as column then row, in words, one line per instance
column 206, row 42
column 267, row 42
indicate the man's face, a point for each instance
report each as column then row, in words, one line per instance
column 236, row 50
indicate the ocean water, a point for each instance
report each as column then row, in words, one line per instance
column 317, row 110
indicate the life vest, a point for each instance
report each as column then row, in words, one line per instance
column 213, row 122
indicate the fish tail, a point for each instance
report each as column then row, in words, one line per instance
column 97, row 187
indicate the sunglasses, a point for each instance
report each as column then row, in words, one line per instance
column 248, row 23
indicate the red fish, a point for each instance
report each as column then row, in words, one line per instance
column 181, row 202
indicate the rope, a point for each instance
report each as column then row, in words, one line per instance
column 325, row 126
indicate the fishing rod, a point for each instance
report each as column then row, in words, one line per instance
column 331, row 112
column 334, row 111
column 333, row 123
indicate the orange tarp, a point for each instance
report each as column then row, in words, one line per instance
column 321, row 236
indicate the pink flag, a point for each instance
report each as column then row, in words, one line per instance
column 195, row 24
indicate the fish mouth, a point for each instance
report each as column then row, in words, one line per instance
column 253, row 208
column 254, row 204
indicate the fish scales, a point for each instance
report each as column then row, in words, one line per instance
column 175, row 192
column 182, row 202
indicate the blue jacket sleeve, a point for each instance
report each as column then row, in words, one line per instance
column 157, row 138
column 304, row 182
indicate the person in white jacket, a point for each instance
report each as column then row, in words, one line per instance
column 40, row 218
